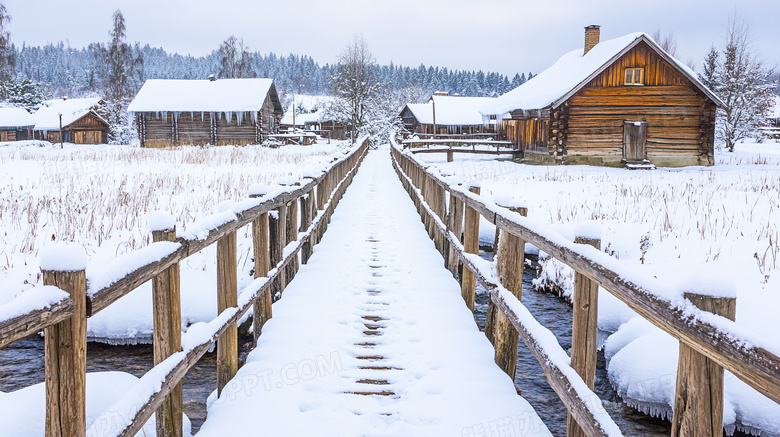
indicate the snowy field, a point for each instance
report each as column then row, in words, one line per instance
column 720, row 222
column 100, row 197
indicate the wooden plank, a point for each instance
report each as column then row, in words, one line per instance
column 65, row 360
column 166, row 299
column 227, row 297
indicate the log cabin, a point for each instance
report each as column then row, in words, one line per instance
column 81, row 123
column 446, row 115
column 200, row 112
column 16, row 124
column 621, row 102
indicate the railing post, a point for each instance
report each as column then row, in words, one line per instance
column 262, row 308
column 470, row 245
column 584, row 335
column 277, row 237
column 227, row 297
column 291, row 234
column 455, row 225
column 510, row 259
column 698, row 400
column 166, row 298
column 65, row 346
column 307, row 216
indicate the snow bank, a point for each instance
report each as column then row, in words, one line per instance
column 24, row 411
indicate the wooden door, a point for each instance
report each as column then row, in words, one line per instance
column 634, row 141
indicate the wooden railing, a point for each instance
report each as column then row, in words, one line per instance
column 708, row 342
column 277, row 241
column 451, row 146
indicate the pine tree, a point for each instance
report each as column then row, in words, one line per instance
column 25, row 94
column 710, row 69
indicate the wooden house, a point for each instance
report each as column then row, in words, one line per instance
column 16, row 124
column 198, row 112
column 623, row 101
column 444, row 114
column 81, row 123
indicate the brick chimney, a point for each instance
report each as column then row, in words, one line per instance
column 591, row 37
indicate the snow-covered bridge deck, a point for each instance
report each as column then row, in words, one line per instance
column 372, row 337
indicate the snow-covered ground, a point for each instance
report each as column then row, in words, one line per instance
column 100, row 197
column 374, row 311
column 720, row 222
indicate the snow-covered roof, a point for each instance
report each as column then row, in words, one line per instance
column 48, row 116
column 450, row 110
column 222, row 95
column 15, row 117
column 572, row 71
column 301, row 119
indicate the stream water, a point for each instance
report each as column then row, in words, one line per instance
column 21, row 365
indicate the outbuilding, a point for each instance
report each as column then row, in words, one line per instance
column 198, row 112
column 624, row 101
column 16, row 124
column 446, row 115
column 79, row 118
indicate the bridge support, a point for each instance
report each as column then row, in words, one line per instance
column 510, row 259
column 698, row 400
column 470, row 245
column 65, row 347
column 455, row 225
column 227, row 297
column 584, row 347
column 262, row 307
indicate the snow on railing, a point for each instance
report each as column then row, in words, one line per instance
column 48, row 306
column 715, row 337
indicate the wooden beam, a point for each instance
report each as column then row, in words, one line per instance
column 262, row 311
column 471, row 245
column 227, row 297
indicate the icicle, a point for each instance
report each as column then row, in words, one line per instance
column 165, row 116
column 239, row 116
column 176, row 116
column 228, row 117
column 202, row 115
column 254, row 117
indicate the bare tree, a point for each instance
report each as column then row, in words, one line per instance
column 7, row 59
column 667, row 41
column 355, row 85
column 235, row 60
column 120, row 71
column 744, row 85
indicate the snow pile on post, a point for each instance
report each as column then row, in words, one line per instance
column 63, row 257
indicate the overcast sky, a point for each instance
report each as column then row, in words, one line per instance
column 507, row 36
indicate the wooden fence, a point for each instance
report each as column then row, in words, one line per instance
column 708, row 343
column 277, row 241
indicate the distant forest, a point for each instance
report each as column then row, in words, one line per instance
column 64, row 70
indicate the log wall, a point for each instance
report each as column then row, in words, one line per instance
column 680, row 118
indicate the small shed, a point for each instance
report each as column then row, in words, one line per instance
column 81, row 123
column 197, row 112
column 444, row 114
column 16, row 124
column 623, row 101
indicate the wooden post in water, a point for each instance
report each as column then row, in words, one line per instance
column 698, row 400
column 470, row 245
column 510, row 259
column 166, row 299
column 262, row 308
column 584, row 338
column 65, row 360
column 227, row 297
column 455, row 225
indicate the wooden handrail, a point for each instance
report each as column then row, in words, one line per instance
column 25, row 325
column 702, row 331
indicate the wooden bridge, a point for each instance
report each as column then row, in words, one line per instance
column 370, row 336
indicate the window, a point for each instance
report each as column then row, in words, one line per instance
column 635, row 76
